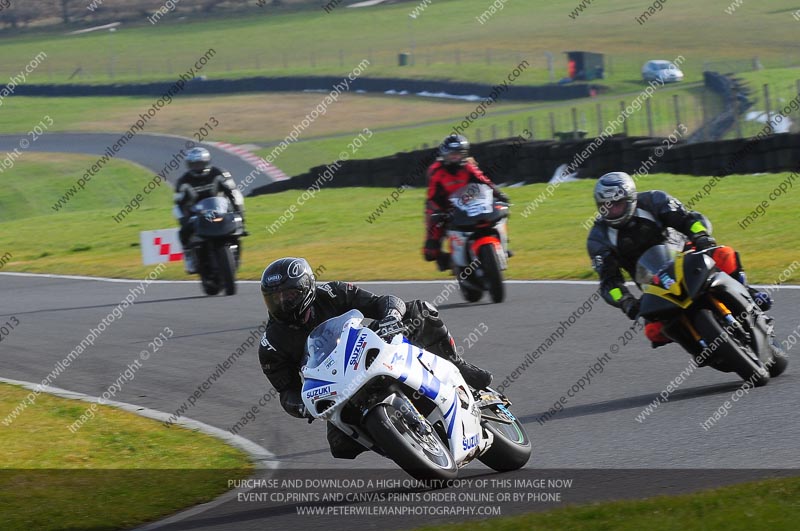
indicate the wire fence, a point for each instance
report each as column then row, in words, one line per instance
column 775, row 107
column 111, row 62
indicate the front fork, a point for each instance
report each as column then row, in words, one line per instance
column 697, row 344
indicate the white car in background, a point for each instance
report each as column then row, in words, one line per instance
column 664, row 71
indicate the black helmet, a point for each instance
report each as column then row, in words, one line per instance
column 454, row 150
column 288, row 286
column 198, row 160
column 615, row 196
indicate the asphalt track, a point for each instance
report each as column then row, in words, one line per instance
column 596, row 440
column 153, row 151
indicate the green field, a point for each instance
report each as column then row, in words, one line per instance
column 549, row 243
column 265, row 42
column 763, row 505
column 118, row 470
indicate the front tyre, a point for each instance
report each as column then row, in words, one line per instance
column 423, row 457
column 735, row 354
column 778, row 363
column 227, row 269
column 511, row 447
column 469, row 291
column 491, row 272
column 205, row 267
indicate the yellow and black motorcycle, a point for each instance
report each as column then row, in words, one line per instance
column 707, row 312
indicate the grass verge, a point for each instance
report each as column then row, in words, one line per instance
column 117, row 471
column 333, row 228
column 770, row 504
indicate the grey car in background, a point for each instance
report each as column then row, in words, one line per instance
column 664, row 71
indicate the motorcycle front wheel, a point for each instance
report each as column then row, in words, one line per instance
column 492, row 273
column 735, row 354
column 421, row 456
column 226, row 265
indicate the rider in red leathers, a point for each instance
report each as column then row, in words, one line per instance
column 453, row 169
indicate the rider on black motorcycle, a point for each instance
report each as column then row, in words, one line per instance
column 629, row 224
column 202, row 180
column 297, row 304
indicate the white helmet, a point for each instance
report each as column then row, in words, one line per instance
column 198, row 160
column 615, row 196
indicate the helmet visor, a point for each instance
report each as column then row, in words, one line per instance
column 614, row 209
column 197, row 166
column 284, row 305
column 454, row 157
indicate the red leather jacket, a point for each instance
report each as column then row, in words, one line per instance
column 442, row 182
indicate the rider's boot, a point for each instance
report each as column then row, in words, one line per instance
column 761, row 298
column 443, row 261
column 190, row 261
column 476, row 377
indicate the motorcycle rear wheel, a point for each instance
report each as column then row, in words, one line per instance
column 421, row 457
column 511, row 448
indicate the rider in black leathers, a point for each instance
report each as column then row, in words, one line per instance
column 631, row 222
column 297, row 304
column 201, row 181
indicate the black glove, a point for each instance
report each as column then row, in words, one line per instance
column 390, row 326
column 439, row 216
column 500, row 196
column 703, row 241
column 630, row 306
column 293, row 404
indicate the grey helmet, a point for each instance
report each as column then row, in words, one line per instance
column 615, row 196
column 198, row 160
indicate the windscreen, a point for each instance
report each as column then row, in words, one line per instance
column 654, row 260
column 220, row 205
column 325, row 337
column 474, row 199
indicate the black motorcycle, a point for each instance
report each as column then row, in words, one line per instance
column 707, row 312
column 215, row 242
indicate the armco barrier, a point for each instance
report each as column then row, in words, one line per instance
column 323, row 83
column 536, row 162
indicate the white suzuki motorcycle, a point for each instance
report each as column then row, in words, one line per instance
column 406, row 403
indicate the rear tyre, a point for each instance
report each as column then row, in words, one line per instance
column 422, row 457
column 511, row 447
column 736, row 355
column 227, row 269
column 492, row 273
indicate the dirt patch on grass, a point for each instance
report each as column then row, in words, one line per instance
column 269, row 117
